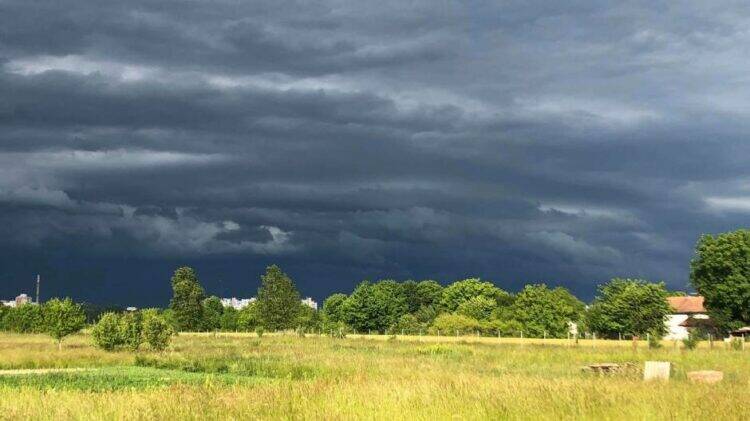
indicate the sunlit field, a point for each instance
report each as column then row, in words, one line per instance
column 233, row 376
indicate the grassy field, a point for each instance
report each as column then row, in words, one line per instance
column 240, row 376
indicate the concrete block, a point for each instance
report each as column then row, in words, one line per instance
column 705, row 376
column 657, row 370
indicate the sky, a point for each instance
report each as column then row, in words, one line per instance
column 516, row 141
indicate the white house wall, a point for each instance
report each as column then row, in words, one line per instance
column 674, row 330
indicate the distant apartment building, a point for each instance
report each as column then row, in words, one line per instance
column 18, row 301
column 237, row 303
column 310, row 303
column 240, row 303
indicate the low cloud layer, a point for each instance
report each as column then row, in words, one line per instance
column 520, row 142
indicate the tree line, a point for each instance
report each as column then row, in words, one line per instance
column 720, row 271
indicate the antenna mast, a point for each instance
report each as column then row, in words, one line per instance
column 38, row 280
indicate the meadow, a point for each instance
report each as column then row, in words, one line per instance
column 241, row 376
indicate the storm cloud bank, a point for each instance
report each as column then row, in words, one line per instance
column 517, row 141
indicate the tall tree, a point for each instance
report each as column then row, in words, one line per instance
column 62, row 318
column 212, row 312
column 187, row 299
column 629, row 306
column 333, row 308
column 278, row 300
column 720, row 272
column 375, row 306
column 458, row 292
column 540, row 309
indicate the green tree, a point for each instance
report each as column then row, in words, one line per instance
column 62, row 318
column 458, row 292
column 629, row 306
column 540, row 309
column 278, row 300
column 107, row 332
column 229, row 319
column 26, row 318
column 429, row 293
column 308, row 319
column 187, row 299
column 374, row 306
column 248, row 319
column 157, row 332
column 333, row 308
column 720, row 272
column 212, row 312
column 479, row 307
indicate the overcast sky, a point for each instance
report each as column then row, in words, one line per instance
column 517, row 141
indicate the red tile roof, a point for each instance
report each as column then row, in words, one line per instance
column 689, row 304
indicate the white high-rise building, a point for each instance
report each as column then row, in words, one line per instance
column 237, row 303
column 310, row 303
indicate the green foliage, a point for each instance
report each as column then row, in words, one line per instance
column 229, row 320
column 479, row 307
column 333, row 308
column 131, row 330
column 720, row 272
column 374, row 306
column 629, row 306
column 26, row 318
column 62, row 318
column 426, row 314
column 107, row 332
column 187, row 299
column 457, row 293
column 212, row 312
column 454, row 324
column 260, row 331
column 421, row 294
column 157, row 332
column 278, row 300
column 502, row 327
column 248, row 318
column 540, row 309
column 406, row 325
column 308, row 319
column 692, row 340
column 654, row 340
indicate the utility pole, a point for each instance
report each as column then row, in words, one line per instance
column 38, row 281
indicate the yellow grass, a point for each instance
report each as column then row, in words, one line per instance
column 381, row 378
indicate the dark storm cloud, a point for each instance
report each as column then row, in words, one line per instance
column 521, row 142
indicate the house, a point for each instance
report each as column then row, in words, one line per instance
column 685, row 312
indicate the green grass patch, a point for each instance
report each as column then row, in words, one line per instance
column 117, row 378
column 266, row 367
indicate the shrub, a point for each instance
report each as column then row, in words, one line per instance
column 157, row 332
column 26, row 318
column 454, row 324
column 131, row 329
column 406, row 325
column 691, row 342
column 654, row 340
column 107, row 333
column 260, row 331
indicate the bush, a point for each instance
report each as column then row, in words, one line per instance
column 654, row 340
column 26, row 318
column 131, row 329
column 157, row 332
column 406, row 325
column 691, row 342
column 260, row 331
column 107, row 333
column 454, row 324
